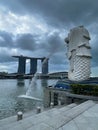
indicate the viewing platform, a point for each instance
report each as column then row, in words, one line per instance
column 82, row 116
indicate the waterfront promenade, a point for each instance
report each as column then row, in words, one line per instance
column 82, row 116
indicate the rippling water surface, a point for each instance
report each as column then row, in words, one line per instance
column 10, row 103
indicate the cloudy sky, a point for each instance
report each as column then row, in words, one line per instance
column 37, row 28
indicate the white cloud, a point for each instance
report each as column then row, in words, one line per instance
column 3, row 68
column 9, row 67
column 15, row 24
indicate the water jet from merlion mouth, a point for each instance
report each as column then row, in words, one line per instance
column 33, row 83
column 54, row 48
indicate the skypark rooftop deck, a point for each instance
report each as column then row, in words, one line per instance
column 28, row 57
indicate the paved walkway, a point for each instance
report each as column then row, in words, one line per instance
column 71, row 117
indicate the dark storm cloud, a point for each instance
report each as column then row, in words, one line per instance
column 6, row 39
column 57, row 12
column 26, row 42
column 53, row 43
column 58, row 62
column 21, row 42
column 6, row 44
column 59, row 59
column 5, row 55
column 55, row 47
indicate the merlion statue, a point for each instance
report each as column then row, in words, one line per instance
column 78, row 53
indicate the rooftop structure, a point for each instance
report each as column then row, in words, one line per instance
column 33, row 64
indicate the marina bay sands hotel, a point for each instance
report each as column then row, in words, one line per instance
column 33, row 64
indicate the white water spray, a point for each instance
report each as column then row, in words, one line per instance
column 33, row 81
column 54, row 49
column 32, row 84
column 28, row 94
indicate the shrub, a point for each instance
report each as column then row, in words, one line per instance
column 85, row 89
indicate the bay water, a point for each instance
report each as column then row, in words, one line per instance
column 10, row 89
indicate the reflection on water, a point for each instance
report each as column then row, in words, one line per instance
column 20, row 82
column 10, row 104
